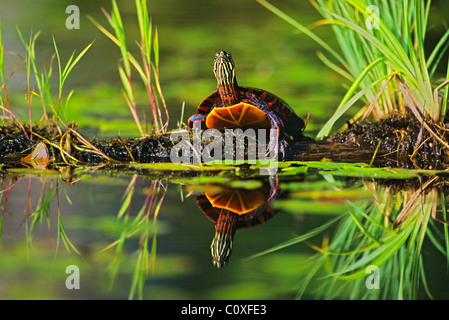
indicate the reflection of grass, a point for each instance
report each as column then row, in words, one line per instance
column 364, row 233
column 143, row 225
column 41, row 213
column 50, row 190
column 388, row 233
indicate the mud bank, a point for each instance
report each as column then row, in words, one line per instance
column 398, row 141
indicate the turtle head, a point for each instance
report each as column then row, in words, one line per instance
column 224, row 69
column 221, row 249
column 221, row 246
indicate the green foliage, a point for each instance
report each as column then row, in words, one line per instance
column 43, row 79
column 148, row 68
column 64, row 73
column 381, row 55
column 4, row 80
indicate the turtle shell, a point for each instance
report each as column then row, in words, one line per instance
column 241, row 115
column 250, row 205
column 257, row 98
column 236, row 200
column 231, row 209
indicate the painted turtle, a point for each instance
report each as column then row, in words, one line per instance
column 235, row 208
column 233, row 106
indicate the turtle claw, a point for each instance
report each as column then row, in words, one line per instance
column 279, row 154
column 276, row 146
column 282, row 146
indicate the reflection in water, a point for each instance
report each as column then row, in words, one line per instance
column 142, row 225
column 376, row 250
column 235, row 208
column 387, row 232
column 41, row 200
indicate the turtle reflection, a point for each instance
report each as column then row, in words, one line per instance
column 235, row 208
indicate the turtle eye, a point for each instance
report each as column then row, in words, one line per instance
column 228, row 55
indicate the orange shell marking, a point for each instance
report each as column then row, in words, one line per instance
column 237, row 200
column 241, row 115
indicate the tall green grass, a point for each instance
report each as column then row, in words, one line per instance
column 42, row 87
column 381, row 56
column 50, row 102
column 147, row 68
column 3, row 87
column 54, row 104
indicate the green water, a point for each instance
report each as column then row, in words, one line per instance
column 49, row 225
column 81, row 226
column 182, row 269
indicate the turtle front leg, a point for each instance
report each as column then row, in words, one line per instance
column 277, row 142
column 197, row 117
column 274, row 188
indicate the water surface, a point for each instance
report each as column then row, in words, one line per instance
column 52, row 220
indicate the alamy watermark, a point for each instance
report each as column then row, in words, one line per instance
column 73, row 20
column 73, row 280
column 229, row 148
column 373, row 280
column 372, row 22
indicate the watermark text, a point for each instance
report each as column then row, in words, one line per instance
column 229, row 148
column 73, row 20
column 73, row 280
column 373, row 280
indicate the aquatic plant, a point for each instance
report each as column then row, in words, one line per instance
column 55, row 132
column 51, row 104
column 381, row 55
column 3, row 87
column 148, row 68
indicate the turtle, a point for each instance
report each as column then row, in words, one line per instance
column 235, row 208
column 234, row 106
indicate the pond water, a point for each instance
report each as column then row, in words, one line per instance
column 135, row 236
column 140, row 233
column 179, row 238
